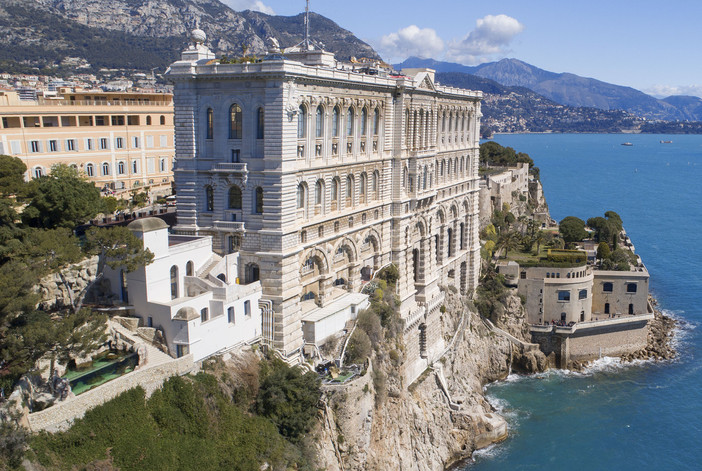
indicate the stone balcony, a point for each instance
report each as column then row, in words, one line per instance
column 229, row 226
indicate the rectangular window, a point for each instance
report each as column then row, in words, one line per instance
column 103, row 143
column 162, row 165
column 149, row 142
column 70, row 144
column 164, row 141
column 119, row 143
column 101, row 121
column 34, row 145
column 631, row 287
column 236, row 156
column 151, row 165
column 16, row 147
column 53, row 146
column 135, row 166
column 88, row 144
column 564, row 295
column 135, row 142
column 230, row 315
column 247, row 308
column 118, row 120
column 204, row 314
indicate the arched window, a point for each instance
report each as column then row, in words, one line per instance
column 209, row 198
column 258, row 200
column 335, row 189
column 234, row 197
column 105, row 168
column 301, row 196
column 163, row 120
column 364, row 183
column 448, row 171
column 38, row 172
column 90, row 170
column 210, row 123
column 174, row 282
column 319, row 122
column 376, row 121
column 190, row 268
column 443, row 122
column 319, row 192
column 349, row 186
column 364, row 122
column 148, row 120
column 349, row 122
column 404, row 177
column 374, row 182
column 301, row 122
column 120, row 168
column 335, row 122
column 424, row 179
column 235, row 122
column 441, row 168
column 260, row 123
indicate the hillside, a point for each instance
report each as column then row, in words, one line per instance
column 568, row 89
column 518, row 109
column 143, row 34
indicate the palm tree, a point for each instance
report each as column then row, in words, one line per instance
column 508, row 241
column 539, row 238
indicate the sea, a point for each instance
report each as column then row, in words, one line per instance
column 614, row 416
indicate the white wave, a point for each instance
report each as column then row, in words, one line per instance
column 489, row 452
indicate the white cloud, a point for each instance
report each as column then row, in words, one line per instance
column 255, row 5
column 491, row 36
column 410, row 41
column 663, row 91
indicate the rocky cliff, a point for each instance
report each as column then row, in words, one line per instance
column 435, row 422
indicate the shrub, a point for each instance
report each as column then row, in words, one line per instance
column 369, row 322
column 390, row 274
column 288, row 397
column 359, row 347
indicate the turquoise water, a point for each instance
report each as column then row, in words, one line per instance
column 645, row 416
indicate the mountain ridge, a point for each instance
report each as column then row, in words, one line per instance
column 143, row 34
column 567, row 88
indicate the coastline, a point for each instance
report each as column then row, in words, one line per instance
column 659, row 346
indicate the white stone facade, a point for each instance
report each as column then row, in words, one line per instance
column 318, row 176
column 189, row 293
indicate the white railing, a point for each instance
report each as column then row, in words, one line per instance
column 235, row 226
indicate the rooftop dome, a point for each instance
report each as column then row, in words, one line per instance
column 147, row 225
column 186, row 313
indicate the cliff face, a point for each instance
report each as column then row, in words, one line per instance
column 440, row 419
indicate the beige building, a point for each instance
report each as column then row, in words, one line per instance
column 320, row 174
column 120, row 141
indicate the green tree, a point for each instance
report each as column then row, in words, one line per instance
column 508, row 242
column 38, row 333
column 288, row 397
column 603, row 251
column 12, row 171
column 117, row 247
column 539, row 238
column 572, row 229
column 61, row 199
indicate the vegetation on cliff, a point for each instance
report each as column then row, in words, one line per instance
column 36, row 241
column 208, row 421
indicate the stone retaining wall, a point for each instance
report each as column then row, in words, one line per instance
column 60, row 416
column 588, row 344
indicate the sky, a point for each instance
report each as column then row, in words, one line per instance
column 652, row 46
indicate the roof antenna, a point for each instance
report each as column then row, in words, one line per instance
column 306, row 42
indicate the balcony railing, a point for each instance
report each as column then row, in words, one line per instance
column 234, row 226
column 229, row 167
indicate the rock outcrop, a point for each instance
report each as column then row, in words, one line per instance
column 438, row 420
column 660, row 336
column 61, row 289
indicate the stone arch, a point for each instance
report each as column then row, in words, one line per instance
column 320, row 255
column 351, row 244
